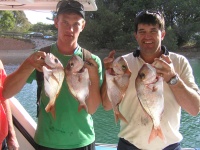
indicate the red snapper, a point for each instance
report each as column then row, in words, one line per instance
column 78, row 81
column 53, row 79
column 149, row 89
column 117, row 79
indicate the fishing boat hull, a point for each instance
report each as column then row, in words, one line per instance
column 24, row 125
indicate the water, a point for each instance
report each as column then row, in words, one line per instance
column 104, row 123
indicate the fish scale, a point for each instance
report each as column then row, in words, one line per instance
column 149, row 89
column 117, row 79
column 77, row 78
column 53, row 79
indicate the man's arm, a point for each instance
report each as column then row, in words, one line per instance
column 107, row 64
column 186, row 97
column 105, row 100
column 16, row 80
column 11, row 138
column 94, row 99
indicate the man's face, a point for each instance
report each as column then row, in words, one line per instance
column 69, row 26
column 149, row 38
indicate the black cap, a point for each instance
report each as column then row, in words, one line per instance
column 70, row 6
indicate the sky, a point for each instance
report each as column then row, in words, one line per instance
column 38, row 16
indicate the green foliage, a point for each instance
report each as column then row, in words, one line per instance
column 7, row 21
column 46, row 29
column 16, row 21
column 197, row 39
column 13, row 21
column 104, row 29
column 112, row 25
column 183, row 17
column 21, row 23
column 170, row 40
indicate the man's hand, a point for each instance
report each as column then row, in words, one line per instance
column 92, row 67
column 12, row 143
column 164, row 67
column 36, row 60
column 108, row 60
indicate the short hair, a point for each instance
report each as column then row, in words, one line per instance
column 151, row 18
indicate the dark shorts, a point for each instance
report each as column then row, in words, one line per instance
column 4, row 145
column 88, row 147
column 125, row 145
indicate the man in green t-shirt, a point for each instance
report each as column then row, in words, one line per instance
column 71, row 129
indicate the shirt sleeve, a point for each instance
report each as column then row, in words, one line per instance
column 31, row 77
column 2, row 79
column 184, row 70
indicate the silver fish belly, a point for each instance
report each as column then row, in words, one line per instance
column 53, row 79
column 117, row 79
column 77, row 78
column 149, row 89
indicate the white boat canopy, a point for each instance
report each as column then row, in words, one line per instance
column 50, row 5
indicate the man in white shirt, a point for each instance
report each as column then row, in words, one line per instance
column 180, row 89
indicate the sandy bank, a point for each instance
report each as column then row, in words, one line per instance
column 13, row 55
column 14, row 51
column 18, row 56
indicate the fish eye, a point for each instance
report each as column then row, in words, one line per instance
column 71, row 64
column 56, row 60
column 142, row 75
column 123, row 67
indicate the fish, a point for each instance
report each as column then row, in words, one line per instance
column 53, row 78
column 149, row 88
column 77, row 78
column 117, row 80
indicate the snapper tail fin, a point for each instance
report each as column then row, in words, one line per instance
column 51, row 108
column 156, row 132
column 118, row 116
column 82, row 106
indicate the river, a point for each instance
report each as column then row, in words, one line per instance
column 105, row 127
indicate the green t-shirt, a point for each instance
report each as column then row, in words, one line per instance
column 70, row 129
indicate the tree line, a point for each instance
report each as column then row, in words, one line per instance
column 112, row 25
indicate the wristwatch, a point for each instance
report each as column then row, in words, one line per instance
column 173, row 80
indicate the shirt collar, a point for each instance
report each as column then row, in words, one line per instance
column 77, row 49
column 136, row 53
